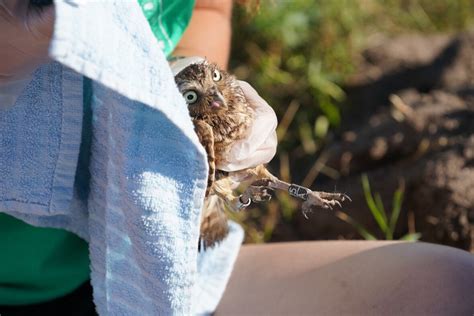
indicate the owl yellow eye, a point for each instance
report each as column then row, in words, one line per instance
column 216, row 75
column 190, row 96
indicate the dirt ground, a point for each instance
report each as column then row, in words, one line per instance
column 409, row 117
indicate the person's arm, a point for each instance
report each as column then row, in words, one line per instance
column 209, row 32
column 208, row 35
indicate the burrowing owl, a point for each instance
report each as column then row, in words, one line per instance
column 220, row 112
column 222, row 116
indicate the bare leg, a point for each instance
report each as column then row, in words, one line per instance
column 350, row 278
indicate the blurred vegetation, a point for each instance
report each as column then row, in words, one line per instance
column 298, row 54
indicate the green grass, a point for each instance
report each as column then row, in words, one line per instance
column 298, row 54
column 385, row 223
column 303, row 51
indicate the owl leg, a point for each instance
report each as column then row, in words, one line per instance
column 259, row 190
column 265, row 180
column 254, row 193
column 223, row 189
column 206, row 138
column 312, row 199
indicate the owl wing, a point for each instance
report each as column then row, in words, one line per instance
column 206, row 138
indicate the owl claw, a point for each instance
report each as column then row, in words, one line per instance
column 323, row 200
column 305, row 213
column 258, row 193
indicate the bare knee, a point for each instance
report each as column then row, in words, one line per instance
column 442, row 278
column 352, row 278
column 409, row 279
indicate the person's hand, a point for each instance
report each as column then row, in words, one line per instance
column 260, row 146
column 25, row 34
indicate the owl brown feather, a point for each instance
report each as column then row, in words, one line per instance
column 222, row 116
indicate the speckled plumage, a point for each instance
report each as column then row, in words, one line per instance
column 231, row 121
column 221, row 116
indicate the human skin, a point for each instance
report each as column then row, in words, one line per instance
column 209, row 32
column 322, row 278
column 26, row 33
column 350, row 278
column 331, row 277
column 24, row 38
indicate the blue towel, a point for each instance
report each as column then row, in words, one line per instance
column 138, row 201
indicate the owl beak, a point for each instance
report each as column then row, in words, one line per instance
column 217, row 102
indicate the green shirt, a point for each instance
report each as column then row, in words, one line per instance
column 168, row 19
column 40, row 264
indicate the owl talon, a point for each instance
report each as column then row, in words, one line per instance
column 259, row 193
column 323, row 200
column 241, row 204
column 263, row 196
column 305, row 213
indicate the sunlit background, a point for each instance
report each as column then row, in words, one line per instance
column 353, row 83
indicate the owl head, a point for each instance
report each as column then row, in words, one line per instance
column 209, row 90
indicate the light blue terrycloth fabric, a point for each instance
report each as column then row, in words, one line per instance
column 138, row 202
